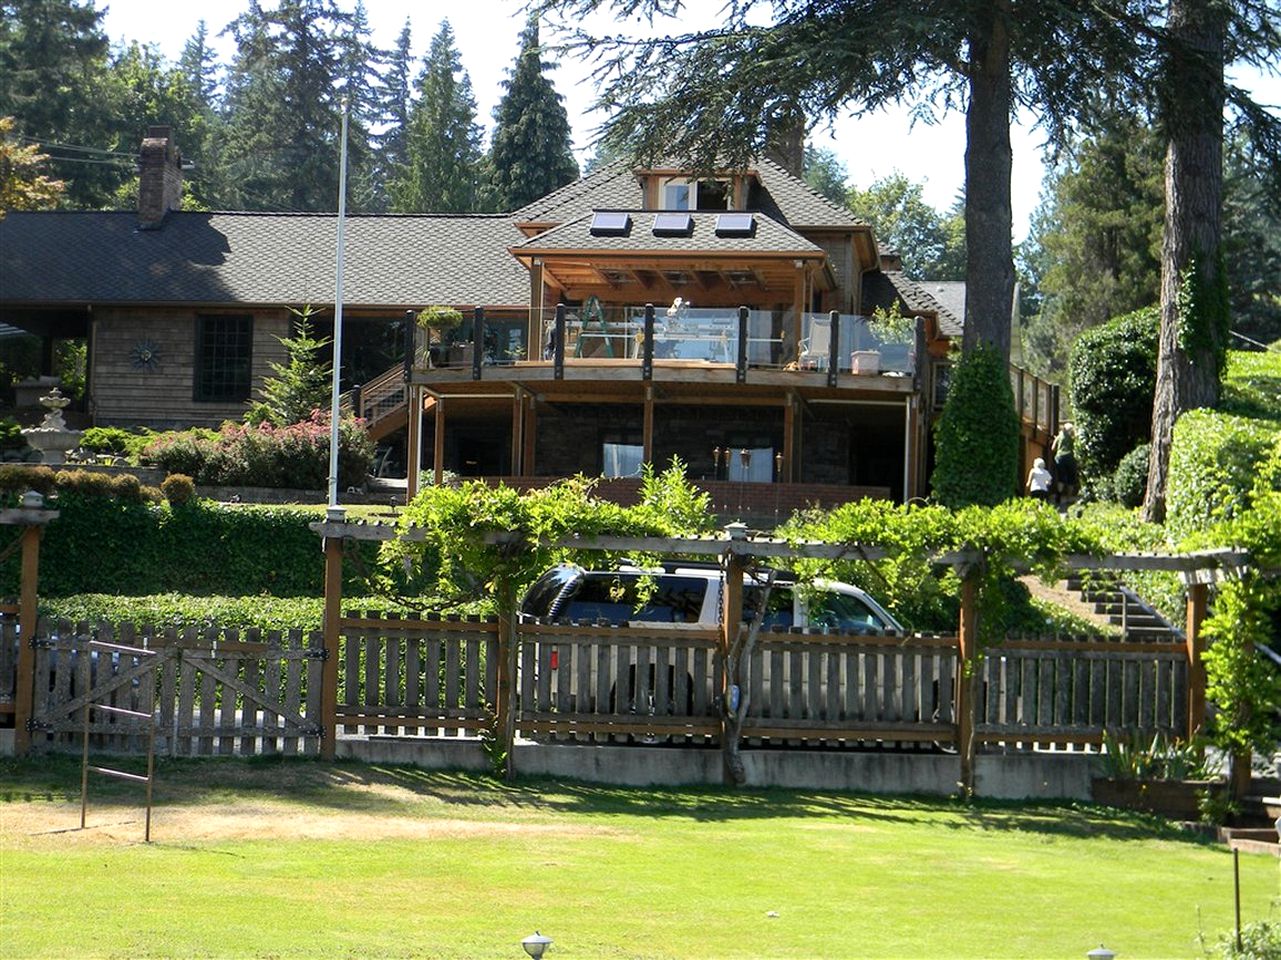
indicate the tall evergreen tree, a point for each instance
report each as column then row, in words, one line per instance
column 283, row 104
column 199, row 65
column 358, row 60
column 1095, row 242
column 394, row 97
column 532, row 144
column 825, row 173
column 441, row 172
column 53, row 55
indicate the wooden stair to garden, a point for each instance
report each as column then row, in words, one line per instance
column 382, row 403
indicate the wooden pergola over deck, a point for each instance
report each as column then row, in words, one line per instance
column 769, row 267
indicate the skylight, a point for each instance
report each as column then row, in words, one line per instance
column 673, row 224
column 610, row 223
column 735, row 225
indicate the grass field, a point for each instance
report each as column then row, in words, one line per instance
column 304, row 859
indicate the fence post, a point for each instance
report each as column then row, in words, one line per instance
column 1197, row 598
column 329, row 671
column 731, row 624
column 967, row 643
column 505, row 708
column 25, row 682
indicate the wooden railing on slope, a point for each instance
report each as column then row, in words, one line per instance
column 1038, row 403
column 381, row 403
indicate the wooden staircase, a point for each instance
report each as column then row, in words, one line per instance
column 382, row 403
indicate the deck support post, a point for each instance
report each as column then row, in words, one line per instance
column 647, row 344
column 558, row 349
column 518, row 430
column 833, row 348
column 413, row 441
column 740, row 364
column 647, row 427
column 477, row 342
column 438, row 444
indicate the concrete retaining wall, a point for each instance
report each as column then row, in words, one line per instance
column 1009, row 777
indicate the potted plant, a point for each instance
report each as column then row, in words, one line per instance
column 890, row 329
column 1166, row 776
column 438, row 322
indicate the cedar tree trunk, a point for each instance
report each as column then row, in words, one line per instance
column 989, row 255
column 1193, row 295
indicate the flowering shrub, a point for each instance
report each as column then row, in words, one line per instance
column 295, row 456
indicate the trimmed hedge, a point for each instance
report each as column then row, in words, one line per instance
column 115, row 536
column 1216, row 463
column 1112, row 377
column 1130, row 481
column 978, row 434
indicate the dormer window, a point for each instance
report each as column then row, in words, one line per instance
column 685, row 194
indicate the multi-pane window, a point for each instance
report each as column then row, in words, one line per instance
column 224, row 358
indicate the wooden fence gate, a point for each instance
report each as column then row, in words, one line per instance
column 212, row 692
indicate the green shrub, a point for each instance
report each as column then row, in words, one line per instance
column 112, row 440
column 19, row 479
column 178, row 488
column 263, row 455
column 103, row 542
column 1112, row 376
column 1215, row 462
column 978, row 434
column 1260, row 940
column 1130, row 481
column 11, row 437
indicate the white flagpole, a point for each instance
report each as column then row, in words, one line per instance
column 336, row 512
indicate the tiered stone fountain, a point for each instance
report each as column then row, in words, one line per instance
column 53, row 438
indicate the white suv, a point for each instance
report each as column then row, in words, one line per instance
column 689, row 594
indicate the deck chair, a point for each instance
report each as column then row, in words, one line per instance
column 815, row 348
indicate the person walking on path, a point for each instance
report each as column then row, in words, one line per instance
column 1064, row 450
column 1038, row 481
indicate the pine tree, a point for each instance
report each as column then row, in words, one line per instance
column 394, row 95
column 283, row 105
column 199, row 65
column 531, row 153
column 53, row 56
column 443, row 147
column 301, row 385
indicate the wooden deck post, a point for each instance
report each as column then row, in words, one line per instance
column 329, row 671
column 438, row 444
column 740, row 361
column 1197, row 598
column 558, row 345
column 647, row 344
column 518, row 427
column 24, row 694
column 967, row 641
column 789, row 438
column 413, row 441
column 477, row 342
column 833, row 348
column 647, row 426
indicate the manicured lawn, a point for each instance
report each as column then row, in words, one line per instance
column 305, row 859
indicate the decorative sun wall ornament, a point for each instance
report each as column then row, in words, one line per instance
column 145, row 355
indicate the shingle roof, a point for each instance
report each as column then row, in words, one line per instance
column 779, row 195
column 794, row 202
column 612, row 186
column 259, row 258
column 770, row 237
column 882, row 288
column 950, row 295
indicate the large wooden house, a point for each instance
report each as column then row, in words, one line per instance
column 636, row 315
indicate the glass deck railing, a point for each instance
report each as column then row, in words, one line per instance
column 695, row 334
column 863, row 346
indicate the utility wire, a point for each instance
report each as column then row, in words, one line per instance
column 71, row 146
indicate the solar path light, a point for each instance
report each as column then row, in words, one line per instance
column 536, row 944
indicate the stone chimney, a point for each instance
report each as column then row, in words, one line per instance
column 891, row 262
column 160, row 178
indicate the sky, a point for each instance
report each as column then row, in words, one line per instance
column 487, row 32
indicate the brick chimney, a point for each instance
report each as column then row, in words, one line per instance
column 891, row 262
column 160, row 178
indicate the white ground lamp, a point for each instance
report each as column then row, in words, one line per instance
column 1100, row 953
column 536, row 944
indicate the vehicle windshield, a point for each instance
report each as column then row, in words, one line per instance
column 840, row 611
column 778, row 612
column 616, row 599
